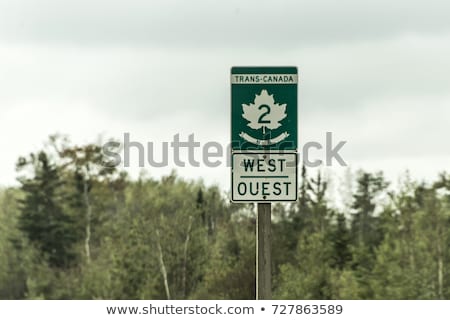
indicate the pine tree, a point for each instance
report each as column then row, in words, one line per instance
column 364, row 223
column 341, row 240
column 43, row 218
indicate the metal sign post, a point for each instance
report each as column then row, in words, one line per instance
column 263, row 252
column 264, row 150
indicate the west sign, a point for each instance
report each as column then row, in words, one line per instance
column 264, row 177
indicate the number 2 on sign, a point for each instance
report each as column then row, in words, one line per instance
column 264, row 114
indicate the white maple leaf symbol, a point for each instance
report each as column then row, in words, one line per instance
column 264, row 112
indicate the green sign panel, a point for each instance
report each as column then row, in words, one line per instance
column 264, row 108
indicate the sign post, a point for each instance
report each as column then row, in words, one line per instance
column 264, row 150
column 263, row 252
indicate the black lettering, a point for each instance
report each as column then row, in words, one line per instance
column 248, row 163
column 287, row 187
column 281, row 164
column 261, row 165
column 254, row 193
column 277, row 188
column 239, row 188
column 272, row 166
column 265, row 187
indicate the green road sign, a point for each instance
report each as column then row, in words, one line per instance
column 264, row 108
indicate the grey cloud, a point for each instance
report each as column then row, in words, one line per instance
column 346, row 77
column 146, row 83
column 268, row 25
column 385, row 128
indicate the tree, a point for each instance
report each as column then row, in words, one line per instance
column 341, row 239
column 43, row 218
column 85, row 164
column 364, row 223
column 230, row 269
column 15, row 252
column 308, row 276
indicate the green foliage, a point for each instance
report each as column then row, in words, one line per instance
column 309, row 277
column 43, row 218
column 364, row 223
column 230, row 271
column 75, row 229
column 341, row 241
column 13, row 250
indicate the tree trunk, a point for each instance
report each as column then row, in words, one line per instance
column 87, row 239
column 162, row 265
column 186, row 243
column 440, row 271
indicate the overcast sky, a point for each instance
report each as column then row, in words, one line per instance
column 375, row 73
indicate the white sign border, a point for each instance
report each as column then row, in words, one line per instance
column 257, row 152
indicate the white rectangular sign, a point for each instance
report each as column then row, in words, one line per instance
column 264, row 177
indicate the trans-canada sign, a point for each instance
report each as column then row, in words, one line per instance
column 264, row 108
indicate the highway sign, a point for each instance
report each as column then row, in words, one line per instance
column 264, row 108
column 264, row 177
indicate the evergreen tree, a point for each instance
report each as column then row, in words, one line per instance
column 43, row 218
column 341, row 240
column 365, row 224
